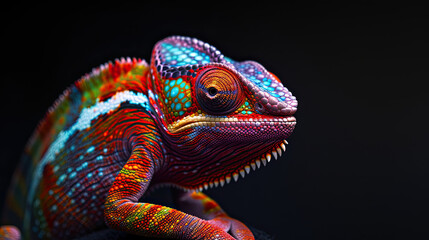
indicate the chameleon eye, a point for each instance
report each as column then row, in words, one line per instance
column 218, row 91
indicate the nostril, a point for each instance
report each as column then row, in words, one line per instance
column 259, row 107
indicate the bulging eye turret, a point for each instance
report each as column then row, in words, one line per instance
column 218, row 91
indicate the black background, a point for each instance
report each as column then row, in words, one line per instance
column 357, row 164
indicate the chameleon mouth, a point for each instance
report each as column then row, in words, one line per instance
column 201, row 120
column 270, row 127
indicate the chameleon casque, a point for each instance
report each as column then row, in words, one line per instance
column 192, row 119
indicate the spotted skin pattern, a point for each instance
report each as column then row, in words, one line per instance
column 191, row 119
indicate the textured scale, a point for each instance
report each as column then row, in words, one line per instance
column 192, row 119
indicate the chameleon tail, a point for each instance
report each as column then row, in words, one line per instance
column 9, row 233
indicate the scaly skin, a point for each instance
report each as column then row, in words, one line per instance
column 192, row 119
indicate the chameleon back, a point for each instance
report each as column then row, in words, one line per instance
column 66, row 113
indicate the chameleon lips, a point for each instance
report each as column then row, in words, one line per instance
column 233, row 122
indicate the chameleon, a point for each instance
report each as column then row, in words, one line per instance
column 191, row 119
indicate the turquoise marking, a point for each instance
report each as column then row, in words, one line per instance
column 174, row 92
column 61, row 179
column 178, row 106
column 90, row 149
column 178, row 56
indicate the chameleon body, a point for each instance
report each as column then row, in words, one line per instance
column 192, row 119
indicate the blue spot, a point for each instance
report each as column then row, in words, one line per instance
column 73, row 174
column 181, row 95
column 100, row 174
column 89, row 175
column 51, row 192
column 167, row 88
column 181, row 113
column 173, row 83
column 61, row 179
column 99, row 158
column 178, row 106
column 243, row 112
column 81, row 157
column 188, row 104
column 54, row 208
column 90, row 149
column 174, row 91
column 179, row 81
column 105, row 150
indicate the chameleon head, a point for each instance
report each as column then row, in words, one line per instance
column 220, row 118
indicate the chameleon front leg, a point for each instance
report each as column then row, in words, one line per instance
column 202, row 206
column 123, row 211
